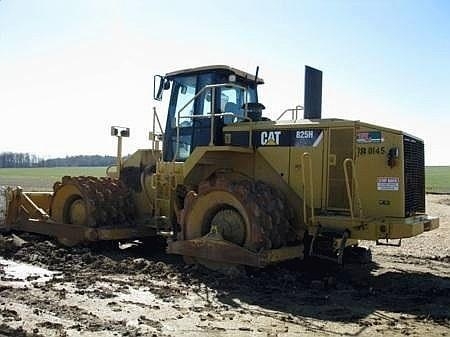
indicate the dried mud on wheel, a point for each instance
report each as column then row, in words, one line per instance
column 106, row 291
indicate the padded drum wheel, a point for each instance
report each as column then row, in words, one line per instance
column 250, row 214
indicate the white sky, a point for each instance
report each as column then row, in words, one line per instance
column 70, row 70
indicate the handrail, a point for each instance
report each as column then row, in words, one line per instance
column 110, row 167
column 171, row 171
column 174, row 180
column 293, row 110
column 153, row 183
column 224, row 114
column 311, row 187
column 349, row 192
column 155, row 146
column 155, row 143
column 211, row 115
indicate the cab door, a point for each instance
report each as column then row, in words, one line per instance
column 181, row 108
column 202, row 121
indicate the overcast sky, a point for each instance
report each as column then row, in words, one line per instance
column 71, row 69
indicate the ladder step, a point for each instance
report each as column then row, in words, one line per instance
column 322, row 244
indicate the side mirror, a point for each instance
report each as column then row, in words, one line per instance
column 164, row 84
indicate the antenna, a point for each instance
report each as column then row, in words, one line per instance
column 256, row 76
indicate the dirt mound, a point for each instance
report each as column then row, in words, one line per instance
column 445, row 201
column 38, row 250
column 19, row 332
column 7, row 247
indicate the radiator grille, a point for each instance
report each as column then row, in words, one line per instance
column 414, row 161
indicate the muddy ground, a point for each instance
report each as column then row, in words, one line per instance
column 47, row 290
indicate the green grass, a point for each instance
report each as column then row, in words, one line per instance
column 42, row 179
column 437, row 179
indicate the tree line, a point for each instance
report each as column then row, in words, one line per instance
column 16, row 160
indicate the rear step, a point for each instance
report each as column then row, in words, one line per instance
column 322, row 244
column 396, row 243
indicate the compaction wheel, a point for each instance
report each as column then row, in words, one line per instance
column 91, row 202
column 249, row 214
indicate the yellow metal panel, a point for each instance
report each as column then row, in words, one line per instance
column 381, row 186
column 296, row 178
column 219, row 156
column 42, row 199
column 278, row 158
column 142, row 157
column 303, row 123
column 340, row 148
column 374, row 229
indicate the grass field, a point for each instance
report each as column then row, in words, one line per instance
column 437, row 179
column 40, row 179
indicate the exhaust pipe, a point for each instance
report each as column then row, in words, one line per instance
column 313, row 93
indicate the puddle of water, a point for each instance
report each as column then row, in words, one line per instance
column 21, row 274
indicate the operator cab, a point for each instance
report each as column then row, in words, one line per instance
column 202, row 101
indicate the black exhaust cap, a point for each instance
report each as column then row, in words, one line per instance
column 313, row 93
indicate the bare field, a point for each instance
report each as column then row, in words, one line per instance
column 141, row 291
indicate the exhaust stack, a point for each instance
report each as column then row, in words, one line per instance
column 313, row 93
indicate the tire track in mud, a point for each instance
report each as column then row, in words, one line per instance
column 136, row 292
column 291, row 294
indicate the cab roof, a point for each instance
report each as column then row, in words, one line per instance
column 226, row 68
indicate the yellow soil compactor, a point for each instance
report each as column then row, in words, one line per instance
column 227, row 186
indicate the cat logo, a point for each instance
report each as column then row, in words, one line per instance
column 270, row 137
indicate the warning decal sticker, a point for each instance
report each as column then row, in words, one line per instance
column 388, row 183
column 369, row 137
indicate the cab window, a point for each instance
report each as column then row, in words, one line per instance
column 232, row 100
column 185, row 92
